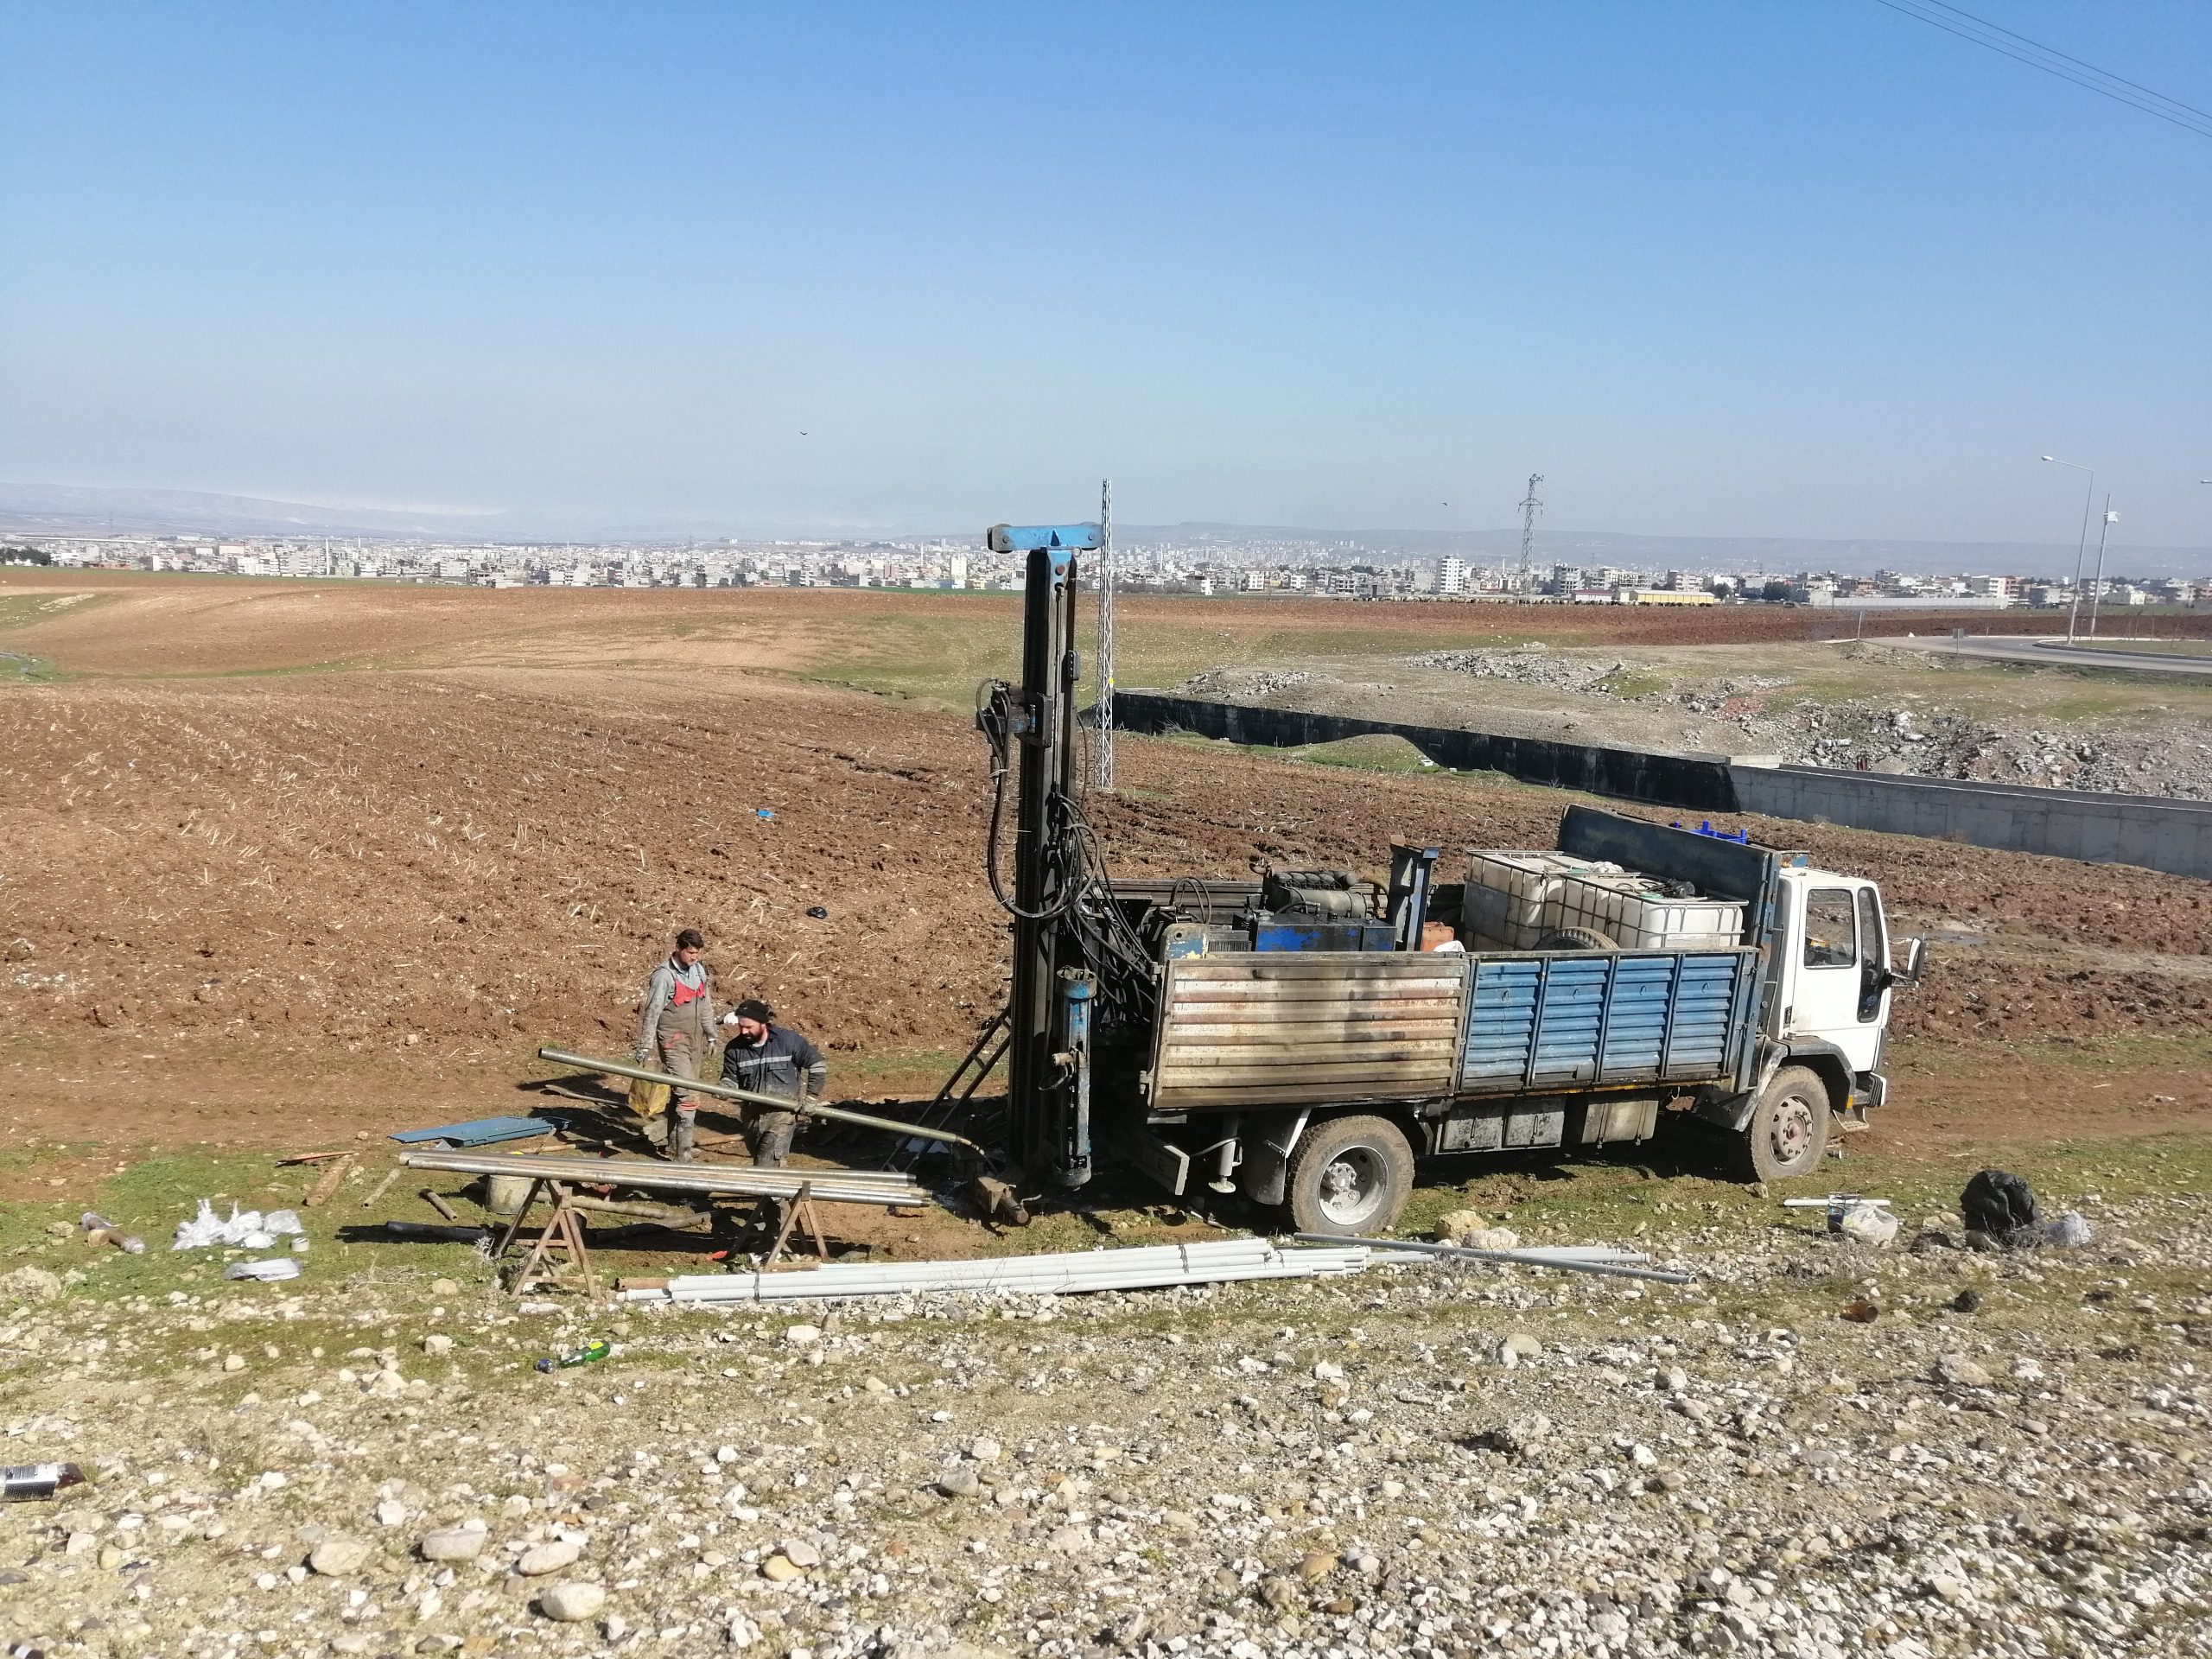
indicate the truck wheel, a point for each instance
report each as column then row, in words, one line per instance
column 1787, row 1133
column 1350, row 1175
column 1577, row 938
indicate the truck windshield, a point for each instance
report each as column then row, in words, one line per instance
column 1829, row 938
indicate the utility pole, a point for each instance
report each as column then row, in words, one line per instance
column 2097, row 581
column 1102, row 705
column 1529, row 508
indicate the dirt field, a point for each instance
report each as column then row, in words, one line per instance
column 289, row 869
column 254, row 905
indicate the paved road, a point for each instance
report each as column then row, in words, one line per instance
column 2055, row 653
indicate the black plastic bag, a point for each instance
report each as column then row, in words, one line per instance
column 2000, row 1204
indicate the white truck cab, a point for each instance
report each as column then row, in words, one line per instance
column 1830, row 978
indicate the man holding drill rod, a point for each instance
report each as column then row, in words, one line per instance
column 766, row 1059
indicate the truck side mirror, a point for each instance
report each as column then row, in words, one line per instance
column 1916, row 960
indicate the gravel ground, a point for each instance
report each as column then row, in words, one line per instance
column 2009, row 1456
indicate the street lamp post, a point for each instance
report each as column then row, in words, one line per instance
column 2081, row 549
column 2097, row 581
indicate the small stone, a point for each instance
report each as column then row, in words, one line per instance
column 1524, row 1344
column 803, row 1336
column 1945, row 1588
column 452, row 1544
column 1326, row 1372
column 779, row 1568
column 437, row 1343
column 985, row 1449
column 234, row 1362
column 351, row 1641
column 613, row 1627
column 1317, row 1564
column 541, row 1559
column 960, row 1481
column 799, row 1553
column 385, row 1385
column 110, row 1558
column 1643, row 1457
column 336, row 1557
column 1961, row 1372
column 571, row 1603
column 444, row 1288
column 391, row 1513
column 1967, row 1301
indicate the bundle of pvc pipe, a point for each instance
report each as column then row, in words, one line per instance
column 1148, row 1267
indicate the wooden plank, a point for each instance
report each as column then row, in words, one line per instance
column 1265, row 1076
column 1304, row 1094
column 1188, row 1066
column 1332, row 984
column 1426, row 1031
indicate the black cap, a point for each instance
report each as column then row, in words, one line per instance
column 754, row 1008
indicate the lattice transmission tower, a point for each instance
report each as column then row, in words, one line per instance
column 1530, row 506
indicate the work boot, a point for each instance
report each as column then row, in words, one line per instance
column 679, row 1140
column 775, row 1145
column 655, row 1129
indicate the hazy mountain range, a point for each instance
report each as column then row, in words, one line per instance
column 70, row 510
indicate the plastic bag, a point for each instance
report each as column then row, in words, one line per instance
column 2000, row 1204
column 1869, row 1223
column 274, row 1267
column 2067, row 1230
column 249, row 1231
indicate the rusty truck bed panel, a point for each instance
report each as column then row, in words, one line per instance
column 1288, row 1029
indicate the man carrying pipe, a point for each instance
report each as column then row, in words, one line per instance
column 677, row 1028
column 766, row 1059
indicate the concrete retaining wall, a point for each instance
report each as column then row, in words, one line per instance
column 2153, row 831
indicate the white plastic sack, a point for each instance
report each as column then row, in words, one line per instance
column 2065, row 1231
column 1867, row 1223
column 275, row 1267
column 251, row 1231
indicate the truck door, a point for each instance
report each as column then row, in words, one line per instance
column 1830, row 1000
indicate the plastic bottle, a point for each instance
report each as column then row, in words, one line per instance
column 27, row 1483
column 597, row 1349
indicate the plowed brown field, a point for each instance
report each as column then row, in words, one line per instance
column 264, row 906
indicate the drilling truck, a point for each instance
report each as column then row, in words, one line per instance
column 1285, row 1036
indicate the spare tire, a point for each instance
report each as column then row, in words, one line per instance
column 1577, row 938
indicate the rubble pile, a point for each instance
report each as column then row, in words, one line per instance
column 2171, row 759
column 1823, row 1448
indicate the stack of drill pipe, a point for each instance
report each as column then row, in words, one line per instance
column 1149, row 1267
column 736, row 1180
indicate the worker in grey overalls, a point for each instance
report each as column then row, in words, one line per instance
column 677, row 1031
column 763, row 1058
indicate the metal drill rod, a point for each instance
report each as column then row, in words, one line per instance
column 726, row 1091
column 1517, row 1258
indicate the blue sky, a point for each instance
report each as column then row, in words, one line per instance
column 1769, row 268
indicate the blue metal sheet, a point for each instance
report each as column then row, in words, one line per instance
column 481, row 1131
column 1544, row 1022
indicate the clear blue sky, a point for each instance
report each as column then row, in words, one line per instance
column 1772, row 268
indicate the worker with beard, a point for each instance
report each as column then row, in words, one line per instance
column 677, row 1031
column 763, row 1058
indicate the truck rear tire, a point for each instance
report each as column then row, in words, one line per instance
column 1350, row 1175
column 1788, row 1133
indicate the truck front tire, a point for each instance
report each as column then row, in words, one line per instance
column 1788, row 1133
column 1350, row 1175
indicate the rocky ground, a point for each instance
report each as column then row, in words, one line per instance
column 1820, row 1448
